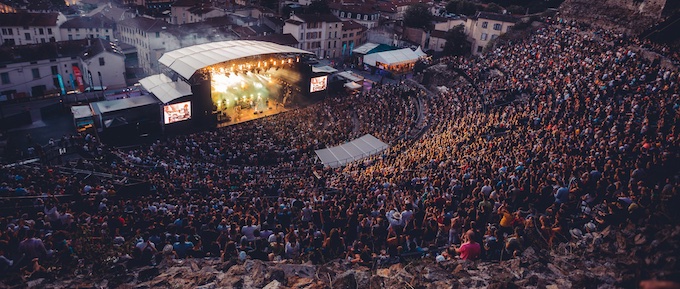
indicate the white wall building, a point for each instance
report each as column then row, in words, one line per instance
column 321, row 34
column 486, row 26
column 34, row 70
column 96, row 26
column 30, row 28
column 106, row 62
column 145, row 34
column 192, row 11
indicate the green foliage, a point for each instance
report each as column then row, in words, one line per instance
column 456, row 42
column 516, row 9
column 493, row 7
column 418, row 16
column 318, row 7
column 463, row 7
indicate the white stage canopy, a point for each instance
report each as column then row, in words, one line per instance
column 357, row 149
column 400, row 56
column 186, row 61
column 164, row 88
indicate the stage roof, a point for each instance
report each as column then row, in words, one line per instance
column 102, row 107
column 357, row 149
column 405, row 55
column 186, row 61
column 164, row 88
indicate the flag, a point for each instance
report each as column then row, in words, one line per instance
column 79, row 78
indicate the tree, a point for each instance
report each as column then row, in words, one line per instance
column 456, row 42
column 462, row 7
column 318, row 7
column 418, row 16
column 493, row 7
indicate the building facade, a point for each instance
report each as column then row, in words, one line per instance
column 353, row 35
column 318, row 33
column 96, row 26
column 192, row 11
column 35, row 70
column 486, row 26
column 30, row 28
column 145, row 34
column 363, row 14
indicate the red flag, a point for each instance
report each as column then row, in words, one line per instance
column 79, row 78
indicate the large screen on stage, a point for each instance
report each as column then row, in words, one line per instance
column 318, row 83
column 177, row 112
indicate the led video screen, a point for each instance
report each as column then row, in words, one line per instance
column 318, row 83
column 177, row 112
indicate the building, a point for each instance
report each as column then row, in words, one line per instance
column 446, row 24
column 105, row 63
column 145, row 34
column 96, row 26
column 437, row 40
column 30, row 28
column 364, row 14
column 316, row 33
column 486, row 26
column 36, row 69
column 353, row 35
column 192, row 11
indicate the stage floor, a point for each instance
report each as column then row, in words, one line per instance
column 247, row 114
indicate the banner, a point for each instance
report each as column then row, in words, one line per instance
column 61, row 84
column 79, row 78
column 73, row 82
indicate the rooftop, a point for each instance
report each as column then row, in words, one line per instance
column 28, row 19
column 352, row 25
column 361, row 8
column 496, row 17
column 50, row 50
column 283, row 39
column 146, row 24
column 97, row 21
column 310, row 18
column 98, row 46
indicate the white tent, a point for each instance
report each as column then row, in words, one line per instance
column 357, row 149
column 363, row 49
column 351, row 76
column 164, row 88
column 81, row 111
column 420, row 52
column 186, row 61
column 324, row 69
column 352, row 85
column 392, row 57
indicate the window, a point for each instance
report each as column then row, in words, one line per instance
column 351, row 35
column 302, row 36
column 479, row 49
column 28, row 36
column 358, row 16
column 4, row 31
column 5, row 77
column 497, row 26
column 336, row 34
column 342, row 14
column 70, row 37
column 41, row 31
column 158, row 35
column 329, row 45
column 485, row 24
column 55, row 71
column 69, row 30
column 365, row 17
column 108, row 38
column 484, row 36
column 349, row 15
column 49, row 31
column 494, row 36
column 330, row 34
column 36, row 73
column 101, row 61
column 507, row 28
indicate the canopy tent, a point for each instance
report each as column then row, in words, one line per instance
column 102, row 107
column 81, row 111
column 186, row 61
column 393, row 57
column 352, row 85
column 164, row 88
column 420, row 52
column 351, row 76
column 324, row 69
column 369, row 48
column 357, row 149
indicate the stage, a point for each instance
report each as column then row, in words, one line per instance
column 239, row 115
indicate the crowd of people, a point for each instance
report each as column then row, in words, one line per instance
column 589, row 140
